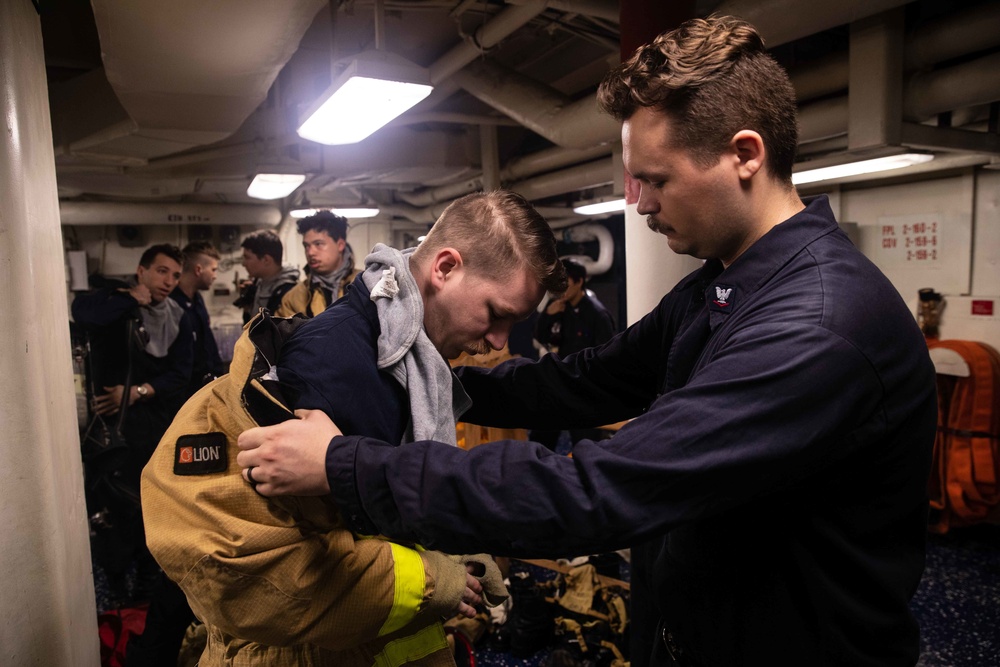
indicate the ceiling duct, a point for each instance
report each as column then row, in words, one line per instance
column 539, row 107
column 166, row 213
column 580, row 124
column 582, row 176
column 967, row 84
column 592, row 174
column 967, row 31
column 186, row 72
column 147, row 130
column 489, row 35
column 427, row 215
column 516, row 169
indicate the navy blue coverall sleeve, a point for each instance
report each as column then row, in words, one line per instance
column 751, row 431
column 102, row 307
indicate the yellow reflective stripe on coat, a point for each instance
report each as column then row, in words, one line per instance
column 408, row 593
column 412, row 648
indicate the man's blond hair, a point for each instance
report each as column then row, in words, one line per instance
column 496, row 232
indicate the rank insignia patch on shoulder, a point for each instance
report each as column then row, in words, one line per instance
column 201, row 454
column 724, row 298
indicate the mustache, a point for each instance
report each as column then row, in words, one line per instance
column 654, row 224
column 480, row 347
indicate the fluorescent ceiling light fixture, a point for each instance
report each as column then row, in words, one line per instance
column 375, row 87
column 597, row 208
column 345, row 212
column 361, row 212
column 862, row 167
column 274, row 186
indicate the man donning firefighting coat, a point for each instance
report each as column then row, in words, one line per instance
column 283, row 582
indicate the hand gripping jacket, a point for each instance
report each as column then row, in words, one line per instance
column 282, row 581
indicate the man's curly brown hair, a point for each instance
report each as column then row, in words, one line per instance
column 713, row 78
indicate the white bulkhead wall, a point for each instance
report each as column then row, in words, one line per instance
column 47, row 610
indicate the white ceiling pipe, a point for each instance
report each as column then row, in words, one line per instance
column 208, row 155
column 822, row 147
column 968, row 31
column 538, row 107
column 568, row 124
column 425, row 215
column 551, row 158
column 589, row 175
column 782, row 21
column 965, row 31
column 390, row 150
column 968, row 84
column 580, row 124
column 443, row 192
column 517, row 169
column 821, row 77
column 823, row 120
column 971, row 83
column 605, row 247
column 500, row 26
column 166, row 213
column 457, row 118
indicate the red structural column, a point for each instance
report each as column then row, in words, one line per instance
column 641, row 21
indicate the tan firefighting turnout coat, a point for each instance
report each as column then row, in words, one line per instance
column 281, row 581
column 310, row 300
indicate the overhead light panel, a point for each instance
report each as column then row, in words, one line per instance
column 861, row 167
column 597, row 208
column 375, row 87
column 350, row 213
column 274, row 186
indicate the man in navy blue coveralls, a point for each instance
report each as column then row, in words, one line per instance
column 772, row 481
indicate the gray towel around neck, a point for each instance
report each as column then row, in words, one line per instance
column 437, row 398
column 162, row 322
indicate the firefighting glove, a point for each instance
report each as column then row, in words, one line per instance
column 486, row 571
column 445, row 582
